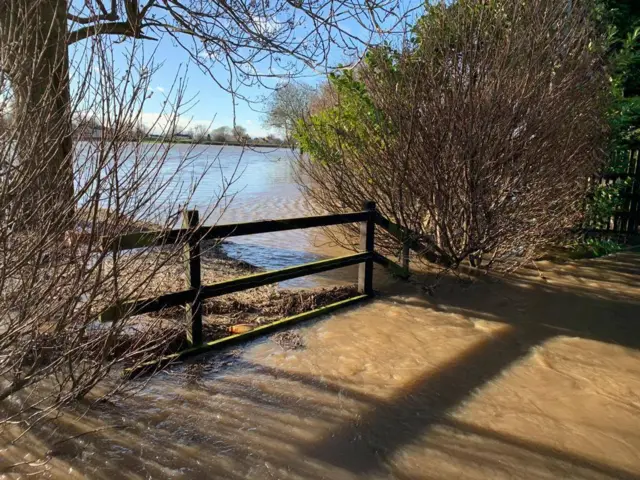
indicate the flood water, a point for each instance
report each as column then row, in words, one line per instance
column 264, row 188
column 536, row 375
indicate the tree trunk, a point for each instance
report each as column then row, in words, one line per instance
column 34, row 37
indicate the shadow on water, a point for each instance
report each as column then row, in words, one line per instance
column 259, row 419
column 606, row 313
column 604, row 316
column 389, row 425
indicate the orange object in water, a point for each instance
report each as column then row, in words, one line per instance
column 240, row 328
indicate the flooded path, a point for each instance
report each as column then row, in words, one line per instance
column 526, row 377
column 532, row 376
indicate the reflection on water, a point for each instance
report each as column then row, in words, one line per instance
column 272, row 258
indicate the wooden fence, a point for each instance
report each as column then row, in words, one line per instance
column 625, row 219
column 191, row 235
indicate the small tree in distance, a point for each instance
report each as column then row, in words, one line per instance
column 221, row 134
column 288, row 105
column 200, row 133
column 240, row 133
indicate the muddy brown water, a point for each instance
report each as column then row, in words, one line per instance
column 536, row 375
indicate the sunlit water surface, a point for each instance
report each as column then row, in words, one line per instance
column 259, row 184
column 533, row 376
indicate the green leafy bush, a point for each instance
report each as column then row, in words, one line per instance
column 594, row 247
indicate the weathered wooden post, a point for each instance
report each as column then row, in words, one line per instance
column 405, row 256
column 193, row 270
column 367, row 232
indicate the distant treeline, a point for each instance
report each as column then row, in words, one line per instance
column 222, row 136
column 88, row 130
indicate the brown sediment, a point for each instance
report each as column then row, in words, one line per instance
column 143, row 338
column 290, row 340
column 229, row 316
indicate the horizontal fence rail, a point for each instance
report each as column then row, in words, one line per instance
column 191, row 235
column 409, row 241
column 159, row 238
column 242, row 337
column 175, row 299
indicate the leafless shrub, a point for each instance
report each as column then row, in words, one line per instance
column 288, row 105
column 73, row 176
column 200, row 133
column 221, row 134
column 56, row 275
column 478, row 135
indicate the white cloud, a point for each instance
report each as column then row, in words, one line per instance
column 160, row 89
column 249, row 122
column 216, row 55
column 265, row 26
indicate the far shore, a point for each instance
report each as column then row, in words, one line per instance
column 227, row 143
column 189, row 141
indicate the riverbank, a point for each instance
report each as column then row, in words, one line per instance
column 228, row 314
column 160, row 271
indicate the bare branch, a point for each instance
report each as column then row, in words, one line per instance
column 115, row 28
column 105, row 15
column 75, row 171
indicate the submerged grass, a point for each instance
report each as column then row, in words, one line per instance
column 248, row 309
column 595, row 247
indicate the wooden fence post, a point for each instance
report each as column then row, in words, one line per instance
column 405, row 256
column 193, row 271
column 367, row 232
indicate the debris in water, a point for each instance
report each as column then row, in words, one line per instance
column 290, row 340
column 241, row 328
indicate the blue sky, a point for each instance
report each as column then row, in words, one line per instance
column 211, row 105
column 210, row 102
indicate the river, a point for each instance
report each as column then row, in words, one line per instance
column 536, row 375
column 264, row 187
